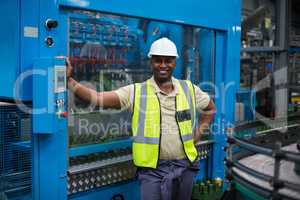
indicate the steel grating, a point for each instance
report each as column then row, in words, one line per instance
column 15, row 152
column 94, row 178
column 100, row 169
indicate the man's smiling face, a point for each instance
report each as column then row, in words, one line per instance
column 162, row 67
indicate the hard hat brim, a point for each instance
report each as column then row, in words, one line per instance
column 171, row 55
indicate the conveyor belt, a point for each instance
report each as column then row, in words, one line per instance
column 265, row 165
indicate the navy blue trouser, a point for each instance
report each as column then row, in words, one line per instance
column 171, row 180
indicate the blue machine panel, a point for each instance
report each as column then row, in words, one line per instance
column 9, row 47
column 212, row 14
column 248, row 98
column 18, row 48
column 49, row 95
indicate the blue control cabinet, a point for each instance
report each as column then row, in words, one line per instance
column 19, row 47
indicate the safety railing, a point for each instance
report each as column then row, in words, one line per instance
column 275, row 182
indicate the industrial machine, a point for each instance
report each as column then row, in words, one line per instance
column 55, row 146
column 263, row 153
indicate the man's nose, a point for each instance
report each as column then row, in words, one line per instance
column 163, row 64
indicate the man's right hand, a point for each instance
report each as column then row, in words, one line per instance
column 103, row 99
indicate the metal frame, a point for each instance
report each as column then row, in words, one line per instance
column 281, row 58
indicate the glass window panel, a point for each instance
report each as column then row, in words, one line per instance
column 110, row 51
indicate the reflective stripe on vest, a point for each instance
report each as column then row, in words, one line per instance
column 146, row 122
column 185, row 101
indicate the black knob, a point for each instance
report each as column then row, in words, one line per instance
column 51, row 23
column 49, row 41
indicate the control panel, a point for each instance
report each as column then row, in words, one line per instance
column 49, row 104
column 59, row 89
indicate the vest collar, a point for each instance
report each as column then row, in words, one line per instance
column 158, row 90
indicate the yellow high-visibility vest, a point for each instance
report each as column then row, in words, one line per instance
column 146, row 122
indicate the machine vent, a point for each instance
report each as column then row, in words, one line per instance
column 15, row 153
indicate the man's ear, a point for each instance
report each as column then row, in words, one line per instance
column 149, row 62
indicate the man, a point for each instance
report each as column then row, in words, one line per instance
column 163, row 117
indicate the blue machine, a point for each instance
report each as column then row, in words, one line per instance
column 245, row 111
column 79, row 151
column 248, row 98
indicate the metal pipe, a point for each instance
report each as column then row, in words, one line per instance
column 264, row 192
column 257, row 189
column 293, row 186
column 252, row 172
column 264, row 177
column 253, row 148
column 291, row 156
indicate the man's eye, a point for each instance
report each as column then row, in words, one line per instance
column 169, row 61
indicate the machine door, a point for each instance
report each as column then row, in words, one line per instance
column 109, row 52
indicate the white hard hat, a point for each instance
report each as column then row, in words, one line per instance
column 163, row 47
